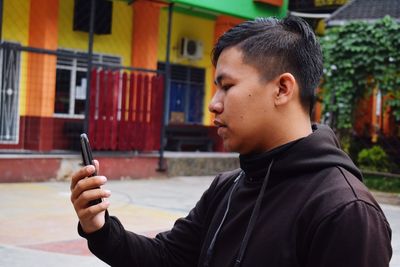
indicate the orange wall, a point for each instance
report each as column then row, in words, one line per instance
column 388, row 123
column 43, row 33
column 145, row 34
column 364, row 113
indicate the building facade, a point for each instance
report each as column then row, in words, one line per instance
column 44, row 59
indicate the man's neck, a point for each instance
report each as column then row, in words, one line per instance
column 290, row 131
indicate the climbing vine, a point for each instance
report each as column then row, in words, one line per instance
column 358, row 57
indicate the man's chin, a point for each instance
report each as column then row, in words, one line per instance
column 229, row 147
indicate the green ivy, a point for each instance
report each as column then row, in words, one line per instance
column 358, row 57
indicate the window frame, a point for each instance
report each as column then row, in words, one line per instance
column 76, row 65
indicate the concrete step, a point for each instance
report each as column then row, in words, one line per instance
column 35, row 167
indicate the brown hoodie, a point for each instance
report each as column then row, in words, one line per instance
column 312, row 211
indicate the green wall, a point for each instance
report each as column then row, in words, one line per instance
column 246, row 9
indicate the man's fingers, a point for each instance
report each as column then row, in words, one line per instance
column 97, row 165
column 80, row 174
column 87, row 184
column 81, row 202
column 91, row 211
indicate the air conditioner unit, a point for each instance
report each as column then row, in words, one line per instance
column 191, row 49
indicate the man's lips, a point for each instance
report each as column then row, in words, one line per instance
column 221, row 127
column 218, row 123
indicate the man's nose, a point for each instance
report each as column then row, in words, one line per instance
column 216, row 106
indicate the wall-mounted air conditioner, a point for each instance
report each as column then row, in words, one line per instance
column 191, row 49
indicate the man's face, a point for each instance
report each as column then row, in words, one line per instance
column 243, row 104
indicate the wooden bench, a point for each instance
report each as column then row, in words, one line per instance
column 188, row 137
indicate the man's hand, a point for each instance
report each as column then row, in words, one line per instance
column 85, row 189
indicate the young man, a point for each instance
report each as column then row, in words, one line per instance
column 297, row 199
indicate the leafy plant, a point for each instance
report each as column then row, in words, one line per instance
column 359, row 57
column 373, row 159
column 384, row 184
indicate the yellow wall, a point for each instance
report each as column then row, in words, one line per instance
column 118, row 43
column 196, row 28
column 15, row 21
column 15, row 29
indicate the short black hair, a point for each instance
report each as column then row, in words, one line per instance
column 276, row 46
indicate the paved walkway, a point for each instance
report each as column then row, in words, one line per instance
column 38, row 223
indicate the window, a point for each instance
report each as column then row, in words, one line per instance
column 9, row 94
column 186, row 94
column 71, row 81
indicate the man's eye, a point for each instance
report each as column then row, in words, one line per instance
column 226, row 87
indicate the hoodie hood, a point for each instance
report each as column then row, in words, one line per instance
column 315, row 152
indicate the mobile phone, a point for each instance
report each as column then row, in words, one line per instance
column 87, row 158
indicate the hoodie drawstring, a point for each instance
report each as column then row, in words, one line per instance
column 253, row 218
column 211, row 247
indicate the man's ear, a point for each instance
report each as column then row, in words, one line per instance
column 287, row 88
